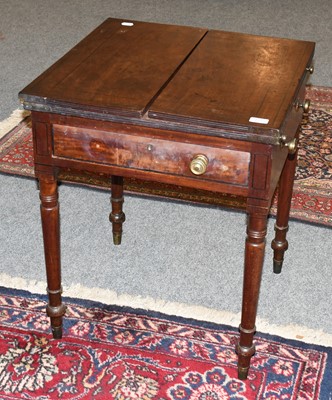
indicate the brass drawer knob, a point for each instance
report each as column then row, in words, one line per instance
column 305, row 105
column 199, row 164
column 310, row 69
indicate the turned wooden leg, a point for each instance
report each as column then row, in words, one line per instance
column 279, row 243
column 51, row 234
column 117, row 216
column 254, row 256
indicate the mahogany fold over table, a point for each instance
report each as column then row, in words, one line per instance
column 200, row 108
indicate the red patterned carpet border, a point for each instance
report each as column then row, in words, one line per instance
column 312, row 197
column 122, row 354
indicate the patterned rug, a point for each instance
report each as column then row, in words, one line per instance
column 109, row 352
column 312, row 197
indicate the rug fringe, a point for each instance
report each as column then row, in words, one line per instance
column 294, row 332
column 11, row 122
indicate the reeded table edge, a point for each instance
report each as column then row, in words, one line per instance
column 249, row 133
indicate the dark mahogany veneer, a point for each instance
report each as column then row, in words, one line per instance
column 193, row 107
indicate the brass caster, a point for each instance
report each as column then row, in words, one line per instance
column 117, row 238
column 57, row 332
column 242, row 373
column 277, row 266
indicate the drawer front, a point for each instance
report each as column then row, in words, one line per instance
column 150, row 154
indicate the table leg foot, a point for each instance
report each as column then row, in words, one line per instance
column 117, row 238
column 56, row 314
column 57, row 332
column 279, row 245
column 117, row 221
column 277, row 266
column 242, row 373
column 117, row 216
column 244, row 356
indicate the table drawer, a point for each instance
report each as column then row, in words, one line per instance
column 151, row 154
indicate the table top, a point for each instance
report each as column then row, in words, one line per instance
column 179, row 77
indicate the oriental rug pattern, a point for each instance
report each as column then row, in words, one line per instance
column 109, row 352
column 312, row 196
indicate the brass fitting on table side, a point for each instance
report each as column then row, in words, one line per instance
column 305, row 105
column 310, row 69
column 291, row 144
